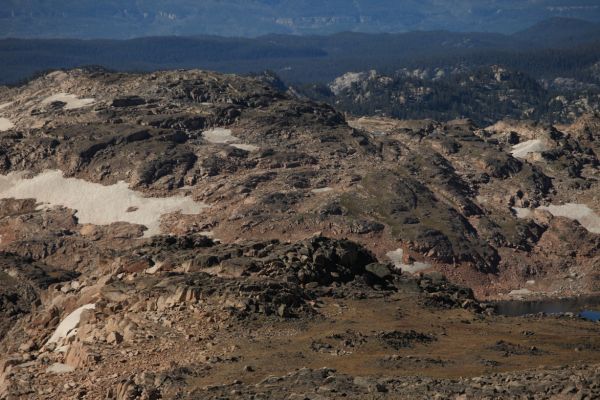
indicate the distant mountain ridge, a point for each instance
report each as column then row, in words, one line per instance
column 136, row 18
column 560, row 32
column 316, row 58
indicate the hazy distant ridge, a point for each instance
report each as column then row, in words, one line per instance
column 131, row 18
column 314, row 58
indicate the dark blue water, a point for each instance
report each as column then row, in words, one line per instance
column 590, row 315
column 586, row 307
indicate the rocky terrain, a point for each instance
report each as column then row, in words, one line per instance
column 188, row 234
column 484, row 94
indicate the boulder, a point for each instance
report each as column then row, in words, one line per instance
column 381, row 271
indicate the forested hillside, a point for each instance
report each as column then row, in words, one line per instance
column 483, row 94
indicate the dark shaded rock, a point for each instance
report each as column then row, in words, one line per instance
column 400, row 340
column 282, row 201
column 185, row 242
column 381, row 271
column 440, row 293
column 300, row 180
column 362, row 227
column 166, row 164
column 128, row 101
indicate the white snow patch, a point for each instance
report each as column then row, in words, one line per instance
column 59, row 368
column 97, row 204
column 579, row 212
column 247, row 147
column 224, row 136
column 69, row 324
column 5, row 124
column 521, row 150
column 322, row 190
column 210, row 235
column 73, row 102
column 523, row 213
column 58, row 76
column 520, row 292
column 397, row 257
column 219, row 135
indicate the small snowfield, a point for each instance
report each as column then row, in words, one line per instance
column 72, row 102
column 579, row 212
column 97, row 204
column 6, row 124
column 68, row 325
column 522, row 150
column 224, row 136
